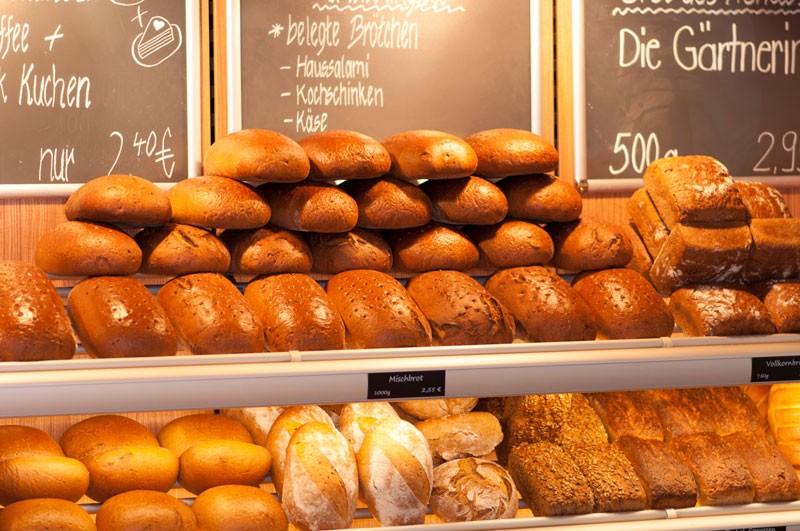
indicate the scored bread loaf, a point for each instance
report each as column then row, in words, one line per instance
column 123, row 199
column 473, row 434
column 542, row 198
column 217, row 203
column 427, row 154
column 257, row 155
column 337, row 154
column 503, row 152
column 512, row 243
column 310, row 206
column 145, row 509
column 356, row 249
column 762, row 200
column 647, row 220
column 436, row 408
column 46, row 513
column 615, row 486
column 624, row 413
column 473, row 489
column 357, row 418
column 774, row 479
column 719, row 310
column 466, row 201
column 238, row 507
column 25, row 290
column 589, row 243
column 388, row 203
column 267, row 250
column 780, row 299
column 177, row 249
column 432, row 246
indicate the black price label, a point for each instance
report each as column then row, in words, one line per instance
column 418, row 384
column 778, row 528
column 775, row 369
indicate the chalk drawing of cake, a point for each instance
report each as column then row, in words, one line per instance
column 157, row 43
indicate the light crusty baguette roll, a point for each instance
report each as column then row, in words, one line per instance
column 45, row 513
column 177, row 249
column 427, row 154
column 223, row 462
column 257, row 155
column 784, row 419
column 145, row 509
column 357, row 418
column 473, row 434
column 473, row 489
column 217, row 203
column 395, row 469
column 336, row 155
column 320, row 480
column 503, row 152
column 123, row 199
column 238, row 507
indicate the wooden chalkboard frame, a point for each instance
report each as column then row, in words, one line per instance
column 227, row 68
column 198, row 76
column 571, row 94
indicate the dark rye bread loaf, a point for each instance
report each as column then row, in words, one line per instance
column 610, row 475
column 762, row 200
column 647, row 220
column 337, row 155
column 432, row 247
column 780, row 299
column 775, row 253
column 589, row 243
column 257, row 155
column 719, row 310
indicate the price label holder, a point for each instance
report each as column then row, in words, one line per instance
column 775, row 369
column 405, row 384
column 771, row 528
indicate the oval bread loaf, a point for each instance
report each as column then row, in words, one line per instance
column 466, row 201
column 267, row 250
column 337, row 154
column 26, row 441
column 99, row 433
column 126, row 468
column 42, row 476
column 146, row 510
column 504, row 152
column 356, row 249
column 310, row 206
column 433, row 247
column 428, row 154
column 357, row 418
column 123, row 199
column 257, row 155
column 177, row 249
column 589, row 243
column 217, row 203
column 512, row 243
column 541, row 198
column 223, row 462
column 435, row 408
column 237, row 507
column 473, row 489
column 45, row 513
column 473, row 434
column 181, row 433
column 388, row 203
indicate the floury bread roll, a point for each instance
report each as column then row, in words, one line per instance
column 357, row 418
column 589, row 243
column 118, row 317
column 355, row 249
column 473, row 489
column 238, row 508
column 396, row 472
column 177, row 249
column 433, row 247
column 319, row 460
column 267, row 250
column 505, row 152
column 512, row 243
column 427, row 154
column 310, row 206
column 257, row 420
column 719, row 310
column 79, row 249
column 257, row 155
column 542, row 198
column 122, row 199
column 337, row 155
column 33, row 323
column 473, row 434
column 145, row 509
column 388, row 203
column 435, row 408
column 780, row 299
column 217, row 203
column 210, row 315
column 45, row 513
column 466, row 201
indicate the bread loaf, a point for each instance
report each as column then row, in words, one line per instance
column 729, row 408
column 615, row 486
column 545, row 306
column 296, row 313
column 466, row 201
column 460, row 310
column 118, row 317
column 395, row 472
column 122, row 199
column 79, row 249
column 388, row 203
column 774, row 479
column 267, row 250
column 210, row 463
column 542, row 198
column 176, row 249
column 784, row 419
column 762, row 200
column 237, row 507
column 624, row 413
column 42, row 476
column 780, row 299
column 473, row 489
column 320, row 488
column 45, row 513
column 719, row 310
column 145, row 509
column 125, row 468
column 336, row 155
column 473, row 434
column 26, row 441
column 377, row 311
column 503, row 152
column 257, row 420
column 589, row 243
column 647, row 220
column 641, row 262
column 357, row 418
column 355, row 249
column 183, row 432
column 33, row 323
column 217, row 203
column 512, row 243
column 99, row 433
column 436, row 408
column 257, row 155
column 624, row 303
column 776, row 250
column 432, row 247
column 679, row 411
column 310, row 206
column 210, row 315
column 427, row 154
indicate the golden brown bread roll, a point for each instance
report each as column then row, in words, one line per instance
column 504, row 152
column 310, row 206
column 435, row 408
column 466, row 201
column 79, row 249
column 26, row 292
column 473, row 434
column 212, row 463
column 512, row 243
column 357, row 418
column 238, row 508
column 427, row 154
column 181, row 433
column 762, row 200
column 217, row 203
column 589, row 243
column 267, row 250
column 145, row 509
column 719, row 310
column 118, row 317
column 45, row 513
column 125, row 468
column 26, row 441
column 296, row 313
column 123, row 199
column 473, row 489
column 377, row 311
column 432, row 247
column 99, row 433
column 541, row 198
column 210, row 315
column 337, row 154
column 355, row 249
column 177, row 249
column 388, row 203
column 460, row 310
column 257, row 155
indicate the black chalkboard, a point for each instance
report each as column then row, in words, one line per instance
column 383, row 66
column 90, row 88
column 679, row 76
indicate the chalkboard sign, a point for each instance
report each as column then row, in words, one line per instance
column 383, row 66
column 90, row 88
column 711, row 77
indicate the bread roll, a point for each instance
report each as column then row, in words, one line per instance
column 679, row 411
column 615, row 486
column 99, row 433
column 427, row 154
column 377, row 311
column 460, row 310
column 238, row 508
column 355, row 249
column 719, row 310
column 774, row 479
column 310, row 206
column 210, row 315
column 504, row 152
column 473, row 489
column 267, row 250
column 435, row 408
column 473, row 434
column 176, row 249
column 776, row 250
column 624, row 303
column 357, row 418
column 118, row 317
column 182, row 433
column 79, row 249
column 693, row 189
column 589, row 243
column 210, row 463
column 762, row 200
column 648, row 222
column 396, row 472
column 123, row 199
column 466, row 201
column 432, row 247
column 541, row 198
column 545, row 306
column 145, row 509
column 26, row 441
column 33, row 323
column 336, row 155
column 784, row 419
column 780, row 299
column 296, row 313
column 257, row 155
column 320, row 488
column 217, row 203
column 388, row 203
column 125, row 468
column 45, row 513
column 512, row 243
column 42, row 476
column 257, row 420
column 729, row 408
column 624, row 413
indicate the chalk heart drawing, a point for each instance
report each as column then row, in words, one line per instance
column 159, row 41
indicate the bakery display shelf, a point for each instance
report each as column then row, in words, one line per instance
column 214, row 381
